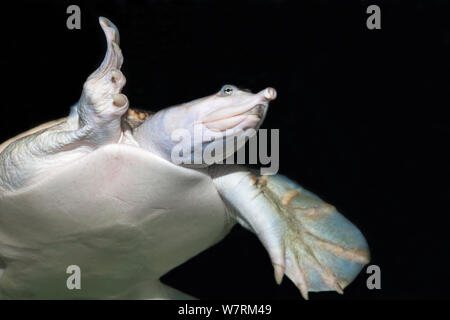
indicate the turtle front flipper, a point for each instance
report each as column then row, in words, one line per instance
column 95, row 121
column 306, row 238
column 102, row 104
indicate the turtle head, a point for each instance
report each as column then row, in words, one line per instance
column 232, row 109
column 206, row 130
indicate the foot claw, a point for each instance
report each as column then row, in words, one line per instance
column 106, row 24
column 119, row 100
column 279, row 273
column 116, row 75
column 303, row 290
column 118, row 79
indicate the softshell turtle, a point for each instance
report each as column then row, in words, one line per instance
column 100, row 190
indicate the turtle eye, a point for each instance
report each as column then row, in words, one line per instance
column 227, row 90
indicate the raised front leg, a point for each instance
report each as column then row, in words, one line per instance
column 94, row 121
column 102, row 104
column 306, row 238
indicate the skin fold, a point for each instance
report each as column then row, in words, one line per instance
column 306, row 239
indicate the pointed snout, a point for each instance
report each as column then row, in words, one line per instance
column 269, row 93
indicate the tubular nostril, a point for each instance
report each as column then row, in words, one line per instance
column 270, row 93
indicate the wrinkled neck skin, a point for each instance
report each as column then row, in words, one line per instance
column 154, row 135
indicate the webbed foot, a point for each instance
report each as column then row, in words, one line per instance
column 306, row 238
column 320, row 250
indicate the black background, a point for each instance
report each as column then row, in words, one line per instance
column 362, row 113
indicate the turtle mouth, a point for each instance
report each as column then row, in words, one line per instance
column 244, row 120
column 257, row 110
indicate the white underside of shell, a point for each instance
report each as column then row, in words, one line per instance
column 119, row 211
